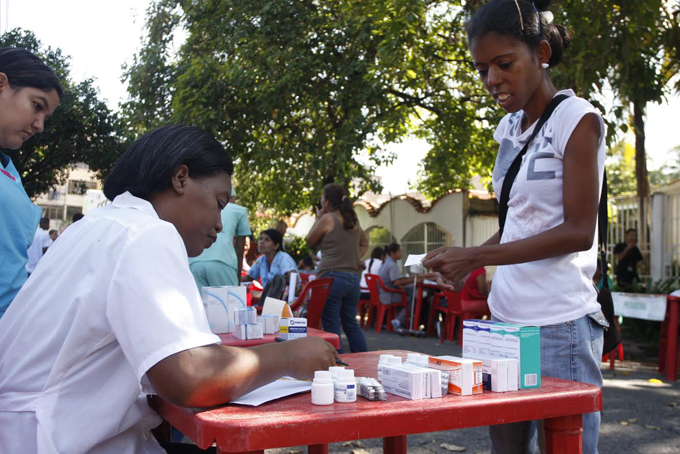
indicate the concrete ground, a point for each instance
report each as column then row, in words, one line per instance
column 641, row 408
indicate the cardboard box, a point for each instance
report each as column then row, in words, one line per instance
column 499, row 373
column 292, row 328
column 524, row 344
column 247, row 332
column 496, row 340
column 483, row 337
column 465, row 374
column 220, row 304
column 270, row 323
column 404, row 381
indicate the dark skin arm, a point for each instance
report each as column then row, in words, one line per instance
column 239, row 245
column 576, row 233
column 215, row 374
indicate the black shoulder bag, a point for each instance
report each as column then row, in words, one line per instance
column 612, row 335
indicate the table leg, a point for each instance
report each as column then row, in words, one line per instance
column 672, row 341
column 317, row 449
column 419, row 304
column 394, row 445
column 219, row 451
column 563, row 435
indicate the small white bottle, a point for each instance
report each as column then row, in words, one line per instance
column 346, row 387
column 322, row 388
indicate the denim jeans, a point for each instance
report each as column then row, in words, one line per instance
column 572, row 351
column 341, row 306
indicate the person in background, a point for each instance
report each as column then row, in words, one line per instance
column 41, row 242
column 307, row 264
column 476, row 287
column 129, row 319
column 392, row 278
column 628, row 255
column 547, row 249
column 274, row 261
column 372, row 266
column 339, row 236
column 282, row 227
column 53, row 235
column 76, row 217
column 221, row 263
column 250, row 253
column 29, row 94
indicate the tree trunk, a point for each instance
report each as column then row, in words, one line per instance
column 641, row 171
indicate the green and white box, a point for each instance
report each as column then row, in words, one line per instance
column 524, row 344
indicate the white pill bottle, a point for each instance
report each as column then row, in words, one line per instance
column 346, row 386
column 322, row 388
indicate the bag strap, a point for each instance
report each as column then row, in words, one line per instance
column 602, row 219
column 517, row 163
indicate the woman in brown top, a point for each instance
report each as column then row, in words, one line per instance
column 342, row 242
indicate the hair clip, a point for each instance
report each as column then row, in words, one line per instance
column 538, row 17
column 519, row 10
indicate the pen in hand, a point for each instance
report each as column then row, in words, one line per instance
column 337, row 360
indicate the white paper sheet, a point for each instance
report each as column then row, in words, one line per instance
column 414, row 259
column 280, row 388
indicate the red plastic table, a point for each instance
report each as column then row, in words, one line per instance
column 233, row 341
column 294, row 421
column 668, row 352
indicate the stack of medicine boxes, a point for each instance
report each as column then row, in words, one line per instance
column 510, row 353
column 246, row 324
column 426, row 377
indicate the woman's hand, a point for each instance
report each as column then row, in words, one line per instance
column 307, row 355
column 453, row 263
column 319, row 212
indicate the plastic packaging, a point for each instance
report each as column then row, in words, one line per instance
column 346, row 386
column 322, row 388
column 370, row 389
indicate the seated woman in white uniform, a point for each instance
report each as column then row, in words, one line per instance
column 112, row 312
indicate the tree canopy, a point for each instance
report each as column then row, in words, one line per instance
column 296, row 90
column 82, row 128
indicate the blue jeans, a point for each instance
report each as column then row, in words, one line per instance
column 572, row 351
column 341, row 306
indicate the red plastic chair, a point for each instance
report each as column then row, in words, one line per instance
column 304, row 277
column 460, row 310
column 373, row 281
column 318, row 291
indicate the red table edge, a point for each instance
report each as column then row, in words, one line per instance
column 589, row 398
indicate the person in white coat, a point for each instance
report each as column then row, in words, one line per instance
column 114, row 312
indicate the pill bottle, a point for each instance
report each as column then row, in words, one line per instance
column 346, row 386
column 322, row 388
column 334, row 370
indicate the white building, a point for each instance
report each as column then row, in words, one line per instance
column 63, row 201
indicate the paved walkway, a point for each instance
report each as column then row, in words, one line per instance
column 641, row 409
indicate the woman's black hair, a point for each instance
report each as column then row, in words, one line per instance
column 151, row 161
column 503, row 17
column 376, row 253
column 24, row 69
column 337, row 197
column 392, row 248
column 275, row 236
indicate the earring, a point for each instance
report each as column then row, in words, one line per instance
column 545, row 65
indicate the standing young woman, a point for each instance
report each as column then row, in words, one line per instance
column 29, row 93
column 115, row 312
column 548, row 248
column 342, row 243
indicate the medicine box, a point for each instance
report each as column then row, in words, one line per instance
column 404, row 381
column 500, row 374
column 483, row 337
column 250, row 331
column 465, row 374
column 469, row 336
column 433, row 380
column 293, row 328
column 524, row 344
column 496, row 340
column 270, row 323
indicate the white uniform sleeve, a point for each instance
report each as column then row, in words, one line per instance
column 153, row 304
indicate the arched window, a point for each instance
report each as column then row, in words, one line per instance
column 377, row 237
column 423, row 238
